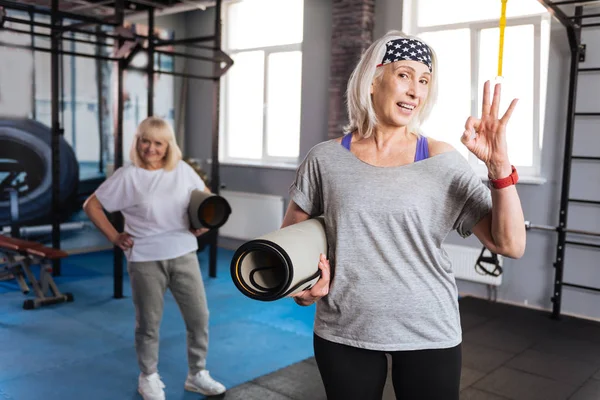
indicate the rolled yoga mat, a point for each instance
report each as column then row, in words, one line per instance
column 280, row 263
column 208, row 210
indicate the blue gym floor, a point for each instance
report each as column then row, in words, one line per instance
column 84, row 350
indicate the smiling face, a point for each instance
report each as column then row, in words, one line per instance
column 152, row 150
column 400, row 92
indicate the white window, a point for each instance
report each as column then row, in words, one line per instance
column 262, row 90
column 465, row 36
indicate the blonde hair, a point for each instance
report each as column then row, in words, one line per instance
column 156, row 128
column 361, row 114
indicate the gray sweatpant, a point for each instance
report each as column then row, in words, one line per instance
column 149, row 281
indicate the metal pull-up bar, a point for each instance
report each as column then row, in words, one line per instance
column 129, row 41
column 19, row 6
column 529, row 225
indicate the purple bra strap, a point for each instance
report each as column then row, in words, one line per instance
column 346, row 140
column 422, row 149
column 422, row 152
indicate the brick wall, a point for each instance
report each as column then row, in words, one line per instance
column 352, row 32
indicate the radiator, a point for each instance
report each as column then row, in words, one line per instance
column 252, row 214
column 463, row 262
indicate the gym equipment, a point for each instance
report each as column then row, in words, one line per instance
column 14, row 211
column 208, row 210
column 20, row 255
column 575, row 21
column 502, row 26
column 562, row 231
column 529, row 225
column 280, row 263
column 40, row 230
column 492, row 260
column 26, row 166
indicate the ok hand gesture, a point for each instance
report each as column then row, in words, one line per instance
column 486, row 137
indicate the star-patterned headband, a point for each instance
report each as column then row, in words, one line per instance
column 406, row 49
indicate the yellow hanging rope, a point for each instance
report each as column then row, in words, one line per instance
column 502, row 26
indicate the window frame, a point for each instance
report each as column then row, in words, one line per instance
column 539, row 21
column 265, row 159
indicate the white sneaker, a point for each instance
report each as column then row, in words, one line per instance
column 151, row 387
column 203, row 383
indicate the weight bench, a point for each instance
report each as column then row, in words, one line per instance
column 19, row 255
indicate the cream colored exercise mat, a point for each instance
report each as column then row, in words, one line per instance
column 280, row 263
column 208, row 210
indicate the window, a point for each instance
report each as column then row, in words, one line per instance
column 465, row 36
column 262, row 90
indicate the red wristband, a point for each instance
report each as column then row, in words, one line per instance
column 512, row 179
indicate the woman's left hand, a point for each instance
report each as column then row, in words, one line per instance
column 199, row 232
column 486, row 137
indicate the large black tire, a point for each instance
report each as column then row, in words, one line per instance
column 25, row 147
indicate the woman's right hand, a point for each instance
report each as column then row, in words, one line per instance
column 320, row 289
column 123, row 240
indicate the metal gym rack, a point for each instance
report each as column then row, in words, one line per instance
column 90, row 17
column 573, row 24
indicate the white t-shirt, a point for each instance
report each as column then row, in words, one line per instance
column 154, row 204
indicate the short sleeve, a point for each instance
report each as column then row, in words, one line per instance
column 476, row 201
column 306, row 190
column 196, row 181
column 115, row 193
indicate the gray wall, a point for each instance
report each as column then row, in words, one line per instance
column 388, row 16
column 199, row 104
column 526, row 281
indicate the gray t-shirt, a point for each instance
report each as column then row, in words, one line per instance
column 392, row 284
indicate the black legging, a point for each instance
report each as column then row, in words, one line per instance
column 351, row 373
